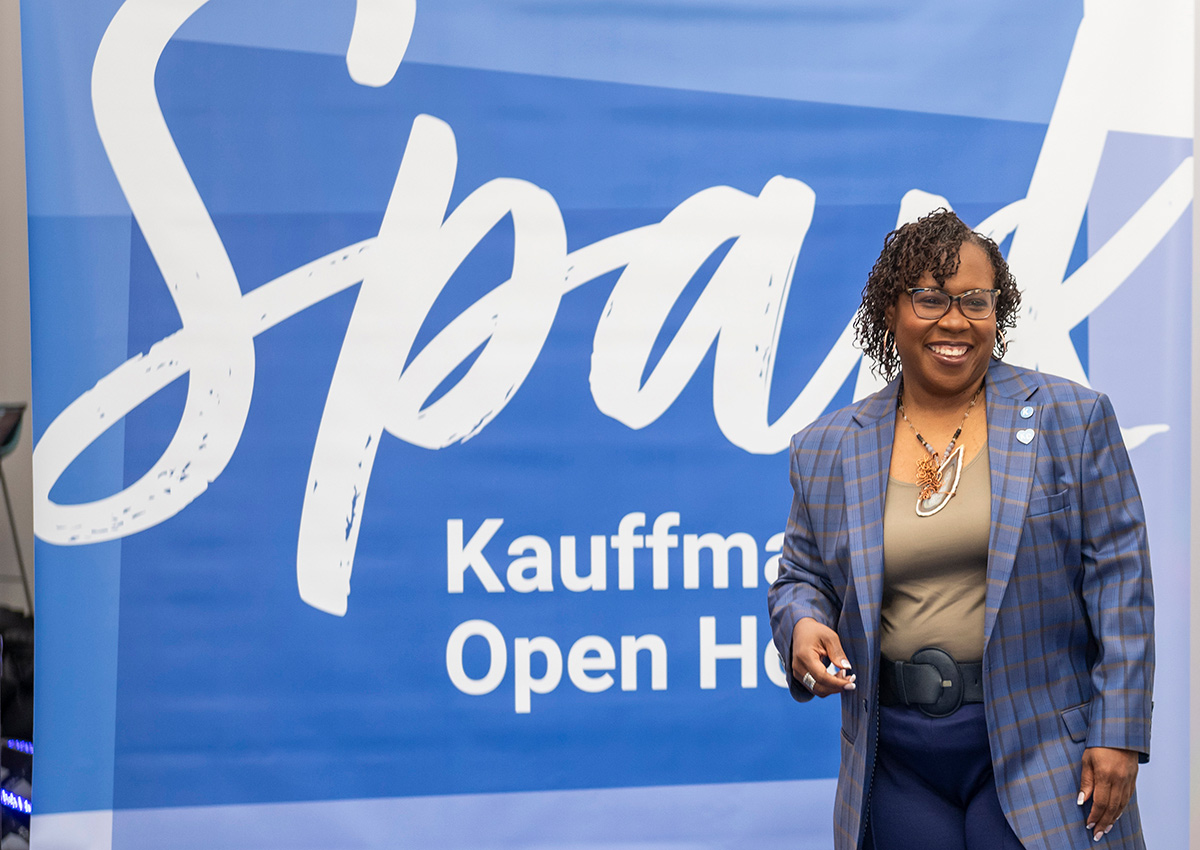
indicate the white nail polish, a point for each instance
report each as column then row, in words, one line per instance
column 850, row 686
column 1079, row 800
column 1090, row 826
column 1098, row 836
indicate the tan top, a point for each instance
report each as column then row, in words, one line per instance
column 935, row 568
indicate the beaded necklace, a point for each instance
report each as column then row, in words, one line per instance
column 931, row 469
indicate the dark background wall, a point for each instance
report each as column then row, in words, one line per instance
column 14, row 295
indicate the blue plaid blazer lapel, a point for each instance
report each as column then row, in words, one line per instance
column 1012, row 465
column 865, row 466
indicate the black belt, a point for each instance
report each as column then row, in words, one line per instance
column 933, row 681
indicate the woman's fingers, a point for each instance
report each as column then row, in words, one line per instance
column 1108, row 779
column 817, row 653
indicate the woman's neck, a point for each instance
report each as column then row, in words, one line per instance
column 937, row 405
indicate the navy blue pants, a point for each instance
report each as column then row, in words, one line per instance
column 933, row 785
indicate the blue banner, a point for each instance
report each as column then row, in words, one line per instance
column 412, row 386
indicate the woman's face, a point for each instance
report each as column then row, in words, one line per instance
column 947, row 356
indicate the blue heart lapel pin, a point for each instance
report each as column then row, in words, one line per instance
column 1025, row 435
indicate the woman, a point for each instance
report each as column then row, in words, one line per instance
column 966, row 565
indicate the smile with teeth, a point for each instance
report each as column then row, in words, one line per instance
column 948, row 349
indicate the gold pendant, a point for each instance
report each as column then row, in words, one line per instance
column 937, row 482
column 929, row 476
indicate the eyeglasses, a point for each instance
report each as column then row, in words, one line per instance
column 929, row 303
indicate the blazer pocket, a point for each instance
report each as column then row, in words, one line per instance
column 1048, row 503
column 1076, row 721
column 847, row 737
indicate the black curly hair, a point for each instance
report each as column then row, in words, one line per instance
column 929, row 244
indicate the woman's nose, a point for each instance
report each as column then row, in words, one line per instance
column 954, row 318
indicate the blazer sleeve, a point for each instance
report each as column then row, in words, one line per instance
column 1117, row 592
column 803, row 588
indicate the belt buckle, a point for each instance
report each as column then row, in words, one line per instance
column 952, row 682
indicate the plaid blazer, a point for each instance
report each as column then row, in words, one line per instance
column 1068, row 629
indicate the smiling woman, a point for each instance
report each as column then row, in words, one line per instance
column 945, row 351
column 945, row 355
column 960, row 721
column 926, row 256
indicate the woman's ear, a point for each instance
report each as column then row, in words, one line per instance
column 889, row 317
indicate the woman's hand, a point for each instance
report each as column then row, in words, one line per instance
column 1108, row 777
column 816, row 650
